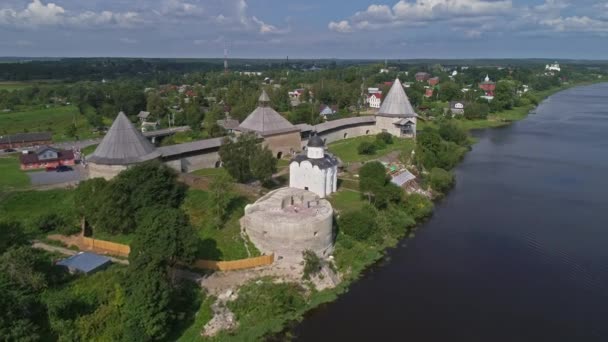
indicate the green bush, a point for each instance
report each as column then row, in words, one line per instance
column 418, row 206
column 450, row 131
column 394, row 221
column 367, row 148
column 312, row 264
column 385, row 137
column 380, row 145
column 476, row 111
column 360, row 224
column 441, row 180
column 49, row 221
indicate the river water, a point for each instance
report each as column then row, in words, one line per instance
column 518, row 251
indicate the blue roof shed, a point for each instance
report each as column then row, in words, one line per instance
column 85, row 262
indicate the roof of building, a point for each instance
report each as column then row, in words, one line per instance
column 327, row 110
column 328, row 160
column 143, row 114
column 333, row 124
column 376, row 95
column 199, row 145
column 123, row 145
column 454, row 103
column 402, row 178
column 315, row 141
column 265, row 120
column 396, row 103
column 85, row 262
column 264, row 97
column 26, row 137
column 32, row 158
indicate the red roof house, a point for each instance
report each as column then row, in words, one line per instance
column 44, row 157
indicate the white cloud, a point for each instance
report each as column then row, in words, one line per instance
column 37, row 14
column 342, row 26
column 180, row 8
column 576, row 24
column 414, row 13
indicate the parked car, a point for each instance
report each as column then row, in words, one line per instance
column 10, row 150
column 50, row 168
column 64, row 168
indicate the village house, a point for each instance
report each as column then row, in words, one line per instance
column 428, row 92
column 457, row 107
column 374, row 100
column 327, row 110
column 25, row 140
column 46, row 157
column 433, row 81
column 422, row 76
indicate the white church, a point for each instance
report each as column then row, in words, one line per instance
column 315, row 169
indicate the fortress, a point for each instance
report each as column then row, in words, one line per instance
column 124, row 145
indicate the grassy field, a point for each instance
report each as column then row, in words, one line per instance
column 344, row 200
column 55, row 119
column 11, row 177
column 346, row 149
column 89, row 150
column 212, row 172
column 27, row 206
column 225, row 243
column 10, row 86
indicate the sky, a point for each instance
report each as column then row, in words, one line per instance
column 370, row 29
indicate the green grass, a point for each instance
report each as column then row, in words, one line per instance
column 217, row 244
column 344, row 200
column 10, row 86
column 212, row 172
column 11, row 176
column 204, row 315
column 89, row 150
column 124, row 239
column 40, row 119
column 27, row 206
column 346, row 149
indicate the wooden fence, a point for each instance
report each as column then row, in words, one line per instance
column 102, row 246
column 106, row 246
column 234, row 265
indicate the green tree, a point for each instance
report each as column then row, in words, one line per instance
column 441, row 180
column 359, row 224
column 236, row 154
column 163, row 237
column 366, row 148
column 418, row 206
column 71, row 130
column 221, row 190
column 263, row 164
column 375, row 183
column 476, row 111
column 450, row 131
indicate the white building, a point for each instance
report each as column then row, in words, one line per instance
column 374, row 100
column 553, row 67
column 314, row 170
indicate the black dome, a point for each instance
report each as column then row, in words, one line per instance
column 315, row 141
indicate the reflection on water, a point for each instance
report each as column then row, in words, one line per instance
column 517, row 252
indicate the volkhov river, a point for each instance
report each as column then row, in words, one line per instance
column 518, row 251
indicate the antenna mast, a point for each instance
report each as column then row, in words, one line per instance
column 225, row 59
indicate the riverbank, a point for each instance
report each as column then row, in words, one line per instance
column 376, row 254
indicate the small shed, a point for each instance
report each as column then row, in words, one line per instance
column 85, row 262
column 402, row 178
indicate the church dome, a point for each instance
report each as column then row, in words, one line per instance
column 315, row 141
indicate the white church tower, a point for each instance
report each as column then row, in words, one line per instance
column 314, row 170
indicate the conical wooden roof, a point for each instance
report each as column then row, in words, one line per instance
column 396, row 102
column 123, row 145
column 265, row 120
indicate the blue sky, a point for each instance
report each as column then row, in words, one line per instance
column 376, row 29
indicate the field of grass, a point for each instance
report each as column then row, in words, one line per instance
column 40, row 119
column 11, row 177
column 212, row 172
column 346, row 149
column 27, row 206
column 10, row 86
column 345, row 200
column 225, row 243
